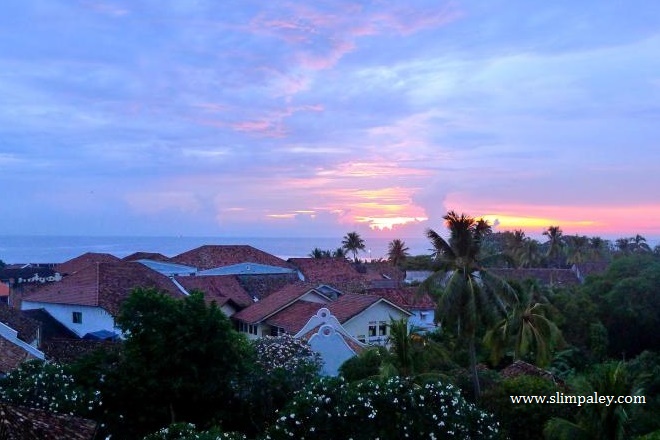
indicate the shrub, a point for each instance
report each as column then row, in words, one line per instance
column 394, row 408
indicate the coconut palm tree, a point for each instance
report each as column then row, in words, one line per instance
column 319, row 253
column 468, row 293
column 339, row 253
column 515, row 245
column 577, row 248
column 639, row 244
column 527, row 327
column 555, row 244
column 531, row 253
column 352, row 242
column 598, row 422
column 397, row 251
column 599, row 249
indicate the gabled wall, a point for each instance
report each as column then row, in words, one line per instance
column 378, row 314
column 93, row 318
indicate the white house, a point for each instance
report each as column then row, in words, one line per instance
column 88, row 300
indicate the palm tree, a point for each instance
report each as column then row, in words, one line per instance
column 318, row 253
column 555, row 243
column 639, row 244
column 530, row 255
column 577, row 249
column 599, row 249
column 397, row 251
column 598, row 422
column 515, row 245
column 352, row 242
column 339, row 253
column 527, row 327
column 469, row 294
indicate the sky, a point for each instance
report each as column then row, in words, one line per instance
column 316, row 118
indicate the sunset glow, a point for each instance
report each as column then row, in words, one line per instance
column 317, row 118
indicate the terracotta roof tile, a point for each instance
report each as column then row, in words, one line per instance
column 273, row 302
column 82, row 261
column 349, row 305
column 293, row 318
column 64, row 351
column 407, row 298
column 155, row 256
column 546, row 276
column 337, row 272
column 20, row 423
column 26, row 327
column 210, row 256
column 105, row 285
column 11, row 356
column 218, row 288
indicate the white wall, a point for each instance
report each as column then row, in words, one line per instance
column 375, row 315
column 93, row 318
column 422, row 319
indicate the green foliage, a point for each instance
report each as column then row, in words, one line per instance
column 468, row 295
column 577, row 314
column 597, row 421
column 393, row 408
column 50, row 387
column 181, row 361
column 645, row 369
column 188, row 431
column 282, row 366
column 397, row 252
column 628, row 299
column 365, row 365
column 523, row 421
column 527, row 328
column 418, row 262
column 352, row 242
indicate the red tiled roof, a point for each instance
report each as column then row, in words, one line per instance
column 294, row 317
column 20, row 423
column 11, row 356
column 408, row 298
column 337, row 272
column 104, row 285
column 26, row 327
column 376, row 270
column 210, row 256
column 546, row 276
column 218, row 288
column 155, row 256
column 4, row 289
column 273, row 302
column 80, row 262
column 349, row 305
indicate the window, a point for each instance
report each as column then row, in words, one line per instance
column 77, row 317
column 382, row 329
column 372, row 331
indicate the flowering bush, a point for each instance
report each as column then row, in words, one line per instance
column 282, row 365
column 50, row 387
column 394, row 408
column 187, row 431
column 286, row 353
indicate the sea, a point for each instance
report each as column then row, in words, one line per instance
column 17, row 249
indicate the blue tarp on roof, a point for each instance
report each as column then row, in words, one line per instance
column 101, row 335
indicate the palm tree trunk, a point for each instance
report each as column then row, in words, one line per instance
column 473, row 368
